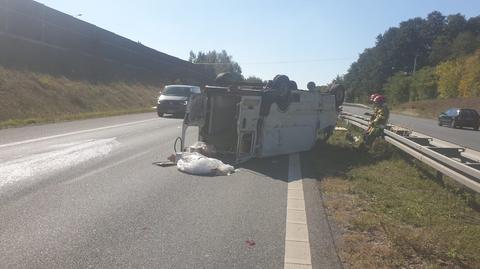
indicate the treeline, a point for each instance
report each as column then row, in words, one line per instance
column 435, row 57
column 214, row 63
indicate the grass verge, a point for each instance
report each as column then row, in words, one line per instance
column 81, row 116
column 432, row 108
column 27, row 98
column 392, row 213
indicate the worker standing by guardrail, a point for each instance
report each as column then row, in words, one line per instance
column 378, row 120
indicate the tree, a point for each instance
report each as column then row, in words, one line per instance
column 423, row 84
column 465, row 43
column 397, row 89
column 473, row 25
column 217, row 62
column 254, row 79
column 449, row 75
column 455, row 24
column 441, row 50
column 469, row 85
column 418, row 44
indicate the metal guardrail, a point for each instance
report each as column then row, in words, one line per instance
column 447, row 161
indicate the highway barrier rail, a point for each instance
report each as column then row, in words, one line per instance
column 446, row 160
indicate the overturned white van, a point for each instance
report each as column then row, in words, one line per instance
column 244, row 121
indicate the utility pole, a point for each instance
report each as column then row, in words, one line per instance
column 415, row 63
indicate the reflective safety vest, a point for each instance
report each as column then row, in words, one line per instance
column 380, row 117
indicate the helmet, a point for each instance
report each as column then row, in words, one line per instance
column 372, row 97
column 379, row 99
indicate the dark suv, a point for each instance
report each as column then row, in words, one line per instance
column 174, row 99
column 460, row 117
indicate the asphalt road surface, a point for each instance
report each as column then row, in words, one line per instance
column 464, row 137
column 87, row 194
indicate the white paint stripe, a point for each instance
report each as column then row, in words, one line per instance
column 73, row 133
column 66, row 156
column 297, row 245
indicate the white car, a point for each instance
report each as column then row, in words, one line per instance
column 174, row 99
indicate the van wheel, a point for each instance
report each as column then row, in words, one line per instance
column 475, row 128
column 160, row 114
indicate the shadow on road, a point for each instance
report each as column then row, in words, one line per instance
column 173, row 116
column 273, row 167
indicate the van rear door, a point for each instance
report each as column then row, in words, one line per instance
column 195, row 114
column 247, row 124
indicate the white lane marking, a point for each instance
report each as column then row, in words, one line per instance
column 297, row 245
column 73, row 133
column 60, row 158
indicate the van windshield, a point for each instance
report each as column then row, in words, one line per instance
column 177, row 91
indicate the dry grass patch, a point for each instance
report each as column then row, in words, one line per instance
column 27, row 98
column 392, row 214
column 432, row 108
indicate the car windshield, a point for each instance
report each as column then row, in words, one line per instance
column 177, row 91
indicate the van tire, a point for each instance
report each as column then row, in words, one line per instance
column 281, row 83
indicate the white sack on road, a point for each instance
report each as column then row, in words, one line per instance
column 197, row 164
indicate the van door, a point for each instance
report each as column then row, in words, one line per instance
column 247, row 123
column 195, row 114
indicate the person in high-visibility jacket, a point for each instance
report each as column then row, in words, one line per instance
column 372, row 97
column 378, row 120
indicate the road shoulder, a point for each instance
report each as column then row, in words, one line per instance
column 322, row 232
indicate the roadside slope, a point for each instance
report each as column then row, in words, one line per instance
column 392, row 212
column 432, row 108
column 27, row 97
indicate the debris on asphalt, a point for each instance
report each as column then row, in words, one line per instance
column 250, row 243
column 165, row 163
column 202, row 148
column 198, row 164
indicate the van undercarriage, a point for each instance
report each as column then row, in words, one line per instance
column 242, row 122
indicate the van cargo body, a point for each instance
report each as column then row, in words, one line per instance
column 244, row 123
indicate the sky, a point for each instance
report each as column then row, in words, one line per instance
column 308, row 40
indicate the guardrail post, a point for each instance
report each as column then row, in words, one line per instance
column 439, row 176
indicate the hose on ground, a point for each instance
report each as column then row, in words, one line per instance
column 175, row 145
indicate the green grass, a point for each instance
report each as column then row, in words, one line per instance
column 30, row 98
column 393, row 213
column 80, row 116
